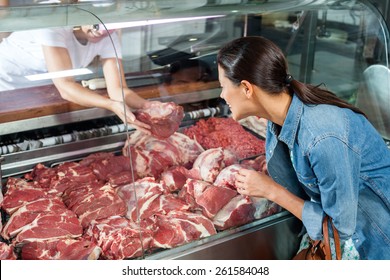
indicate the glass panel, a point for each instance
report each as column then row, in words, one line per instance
column 168, row 50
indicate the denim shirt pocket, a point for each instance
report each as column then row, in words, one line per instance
column 310, row 185
column 306, row 177
column 308, row 180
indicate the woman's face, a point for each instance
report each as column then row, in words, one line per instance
column 233, row 95
column 93, row 33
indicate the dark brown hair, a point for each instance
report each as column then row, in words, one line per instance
column 262, row 63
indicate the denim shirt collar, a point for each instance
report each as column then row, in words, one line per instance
column 290, row 126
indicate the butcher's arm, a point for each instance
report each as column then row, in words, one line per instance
column 113, row 77
column 114, row 86
column 58, row 59
column 253, row 183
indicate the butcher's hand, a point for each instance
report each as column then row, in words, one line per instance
column 125, row 114
column 150, row 103
column 254, row 183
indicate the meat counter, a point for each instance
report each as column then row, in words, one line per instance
column 169, row 50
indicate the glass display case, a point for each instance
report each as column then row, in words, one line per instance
column 168, row 50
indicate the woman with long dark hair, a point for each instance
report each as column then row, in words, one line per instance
column 323, row 155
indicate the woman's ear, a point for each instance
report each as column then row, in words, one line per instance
column 247, row 87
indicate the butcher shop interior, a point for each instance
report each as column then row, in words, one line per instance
column 79, row 183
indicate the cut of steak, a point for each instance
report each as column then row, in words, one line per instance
column 61, row 249
column 214, row 198
column 87, row 161
column 174, row 178
column 7, row 251
column 119, row 238
column 227, row 176
column 98, row 203
column 258, row 163
column 42, row 175
column 159, row 203
column 191, row 190
column 69, row 175
column 228, row 134
column 208, row 165
column 151, row 156
column 238, row 211
column 26, row 215
column 189, row 148
column 105, row 167
column 180, row 227
column 47, row 226
column 19, row 192
column 121, row 179
column 163, row 118
column 132, row 192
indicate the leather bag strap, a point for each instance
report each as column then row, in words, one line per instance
column 325, row 230
column 326, row 240
column 336, row 241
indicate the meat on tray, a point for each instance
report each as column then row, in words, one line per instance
column 118, row 238
column 152, row 156
column 160, row 193
column 180, row 227
column 61, row 249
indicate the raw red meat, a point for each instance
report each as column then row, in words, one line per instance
column 191, row 190
column 20, row 192
column 69, row 175
column 87, row 161
column 1, row 201
column 74, row 194
column 238, row 211
column 47, row 226
column 151, row 156
column 130, row 193
column 214, row 198
column 175, row 178
column 7, row 252
column 227, row 176
column 155, row 201
column 26, row 215
column 258, row 163
column 228, row 134
column 209, row 163
column 61, row 249
column 98, row 203
column 105, row 167
column 180, row 227
column 119, row 238
column 163, row 118
column 189, row 149
column 42, row 175
column 121, row 178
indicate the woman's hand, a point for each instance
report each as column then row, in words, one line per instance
column 120, row 110
column 254, row 183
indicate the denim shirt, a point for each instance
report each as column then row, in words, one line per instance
column 335, row 160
